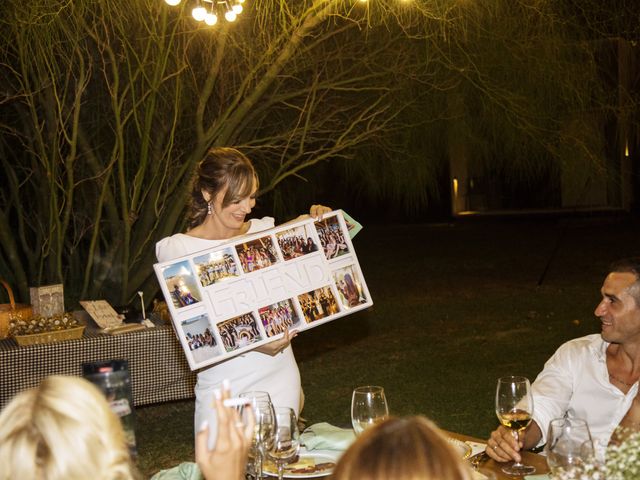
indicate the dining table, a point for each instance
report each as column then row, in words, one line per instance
column 529, row 458
column 475, row 445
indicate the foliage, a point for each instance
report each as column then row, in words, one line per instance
column 109, row 105
column 622, row 461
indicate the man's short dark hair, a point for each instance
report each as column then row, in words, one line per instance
column 626, row 265
column 629, row 265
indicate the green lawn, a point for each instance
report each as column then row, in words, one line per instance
column 455, row 307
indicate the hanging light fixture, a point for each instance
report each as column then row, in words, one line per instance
column 229, row 9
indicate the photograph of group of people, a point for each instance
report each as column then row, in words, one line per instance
column 239, row 332
column 257, row 254
column 349, row 286
column 296, row 242
column 215, row 267
column 181, row 283
column 317, row 304
column 331, row 237
column 279, row 317
column 200, row 339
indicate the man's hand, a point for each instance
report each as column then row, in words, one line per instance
column 502, row 445
column 277, row 346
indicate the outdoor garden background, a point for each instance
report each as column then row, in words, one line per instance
column 106, row 106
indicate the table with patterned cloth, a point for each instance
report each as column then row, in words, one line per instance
column 157, row 364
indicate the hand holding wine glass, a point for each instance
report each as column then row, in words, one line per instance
column 284, row 443
column 368, row 407
column 514, row 408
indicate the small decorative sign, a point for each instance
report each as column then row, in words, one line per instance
column 244, row 293
column 102, row 313
column 47, row 301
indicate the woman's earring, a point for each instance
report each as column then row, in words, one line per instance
column 209, row 208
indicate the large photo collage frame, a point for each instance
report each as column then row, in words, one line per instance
column 232, row 298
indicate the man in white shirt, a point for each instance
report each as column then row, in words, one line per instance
column 593, row 377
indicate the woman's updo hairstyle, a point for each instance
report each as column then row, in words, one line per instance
column 410, row 448
column 221, row 167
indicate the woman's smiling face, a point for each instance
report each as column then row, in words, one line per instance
column 232, row 216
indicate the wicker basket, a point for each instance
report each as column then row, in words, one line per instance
column 8, row 310
column 50, row 337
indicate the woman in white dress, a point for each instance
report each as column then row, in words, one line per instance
column 223, row 194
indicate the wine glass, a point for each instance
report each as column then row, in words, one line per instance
column 284, row 443
column 569, row 444
column 514, row 408
column 368, row 407
column 264, row 415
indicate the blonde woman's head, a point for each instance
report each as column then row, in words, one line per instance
column 62, row 429
column 409, row 448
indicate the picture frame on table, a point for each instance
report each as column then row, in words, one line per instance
column 47, row 300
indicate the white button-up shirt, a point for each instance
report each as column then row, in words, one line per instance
column 575, row 381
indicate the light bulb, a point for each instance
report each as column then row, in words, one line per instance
column 230, row 15
column 237, row 9
column 240, row 1
column 210, row 19
column 173, row 3
column 199, row 13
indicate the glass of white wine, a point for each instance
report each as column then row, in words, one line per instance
column 284, row 443
column 514, row 408
column 368, row 407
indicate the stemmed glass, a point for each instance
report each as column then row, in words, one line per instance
column 368, row 407
column 264, row 415
column 569, row 445
column 284, row 443
column 514, row 408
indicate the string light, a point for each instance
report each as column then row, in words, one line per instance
column 231, row 9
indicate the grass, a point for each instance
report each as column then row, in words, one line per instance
column 455, row 307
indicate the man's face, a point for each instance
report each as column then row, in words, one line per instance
column 618, row 312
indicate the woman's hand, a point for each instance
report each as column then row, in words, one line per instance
column 228, row 459
column 277, row 346
column 317, row 211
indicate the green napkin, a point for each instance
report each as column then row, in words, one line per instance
column 184, row 471
column 541, row 476
column 324, row 436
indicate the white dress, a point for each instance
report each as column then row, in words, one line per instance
column 278, row 374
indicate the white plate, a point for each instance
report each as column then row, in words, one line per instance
column 317, row 458
column 462, row 447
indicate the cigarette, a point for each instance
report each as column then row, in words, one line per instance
column 236, row 402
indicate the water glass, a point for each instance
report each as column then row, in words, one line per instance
column 368, row 407
column 285, row 441
column 264, row 416
column 569, row 445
